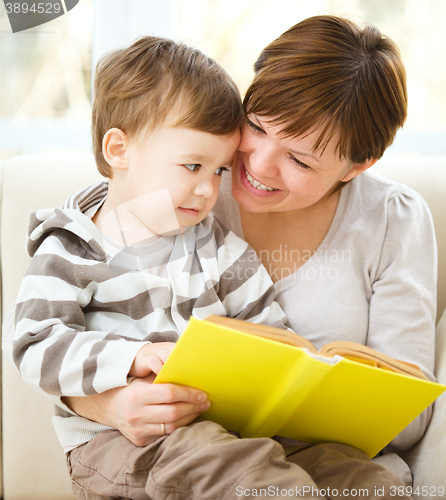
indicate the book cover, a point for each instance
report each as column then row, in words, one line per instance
column 261, row 387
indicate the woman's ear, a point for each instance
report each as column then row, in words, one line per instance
column 115, row 148
column 359, row 168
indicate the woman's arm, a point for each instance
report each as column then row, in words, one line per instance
column 138, row 409
column 403, row 303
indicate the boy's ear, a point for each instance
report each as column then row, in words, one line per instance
column 114, row 148
column 359, row 168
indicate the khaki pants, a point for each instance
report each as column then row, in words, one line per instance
column 204, row 462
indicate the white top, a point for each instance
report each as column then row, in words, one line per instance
column 86, row 307
column 372, row 280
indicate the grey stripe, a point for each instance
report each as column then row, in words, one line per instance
column 60, row 412
column 185, row 307
column 33, row 222
column 93, row 198
column 208, row 297
column 244, row 268
column 96, row 251
column 75, row 246
column 52, row 363
column 68, row 312
column 220, row 231
column 136, row 307
column 167, row 336
column 59, row 220
column 203, row 242
column 21, row 345
column 256, row 307
column 75, row 275
column 90, row 365
column 196, row 265
column 87, row 197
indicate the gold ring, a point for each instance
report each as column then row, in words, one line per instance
column 163, row 429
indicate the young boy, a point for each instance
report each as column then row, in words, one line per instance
column 121, row 267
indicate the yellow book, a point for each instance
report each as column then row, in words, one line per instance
column 263, row 381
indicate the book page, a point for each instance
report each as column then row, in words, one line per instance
column 268, row 332
column 350, row 350
column 358, row 352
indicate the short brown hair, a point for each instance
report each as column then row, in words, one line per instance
column 327, row 72
column 136, row 88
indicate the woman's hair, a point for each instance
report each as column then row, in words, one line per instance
column 327, row 73
column 137, row 87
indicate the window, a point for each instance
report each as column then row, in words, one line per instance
column 235, row 31
column 45, row 85
column 45, row 98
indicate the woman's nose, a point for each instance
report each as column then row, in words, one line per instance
column 258, row 155
column 261, row 162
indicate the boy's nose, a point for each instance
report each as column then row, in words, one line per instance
column 205, row 188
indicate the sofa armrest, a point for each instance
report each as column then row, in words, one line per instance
column 427, row 459
column 427, row 175
column 34, row 465
column 1, row 320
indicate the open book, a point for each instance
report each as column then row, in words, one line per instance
column 264, row 381
column 350, row 350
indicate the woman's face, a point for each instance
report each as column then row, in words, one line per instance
column 276, row 174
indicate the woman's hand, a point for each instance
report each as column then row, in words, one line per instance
column 139, row 409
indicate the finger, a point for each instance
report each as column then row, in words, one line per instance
column 166, row 349
column 154, row 364
column 166, row 393
column 172, row 426
column 143, row 435
column 156, row 429
column 172, row 413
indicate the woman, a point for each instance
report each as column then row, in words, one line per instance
column 352, row 254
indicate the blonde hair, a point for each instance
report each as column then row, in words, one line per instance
column 327, row 72
column 137, row 87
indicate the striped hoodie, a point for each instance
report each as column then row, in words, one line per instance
column 81, row 321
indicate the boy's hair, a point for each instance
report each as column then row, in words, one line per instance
column 327, row 72
column 137, row 87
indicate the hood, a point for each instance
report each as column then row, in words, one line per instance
column 71, row 220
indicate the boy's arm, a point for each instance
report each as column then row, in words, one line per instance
column 245, row 287
column 52, row 348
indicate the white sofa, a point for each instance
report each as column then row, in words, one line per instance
column 33, row 463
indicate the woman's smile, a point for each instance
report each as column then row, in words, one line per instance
column 254, row 186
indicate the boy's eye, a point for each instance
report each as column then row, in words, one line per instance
column 220, row 170
column 193, row 167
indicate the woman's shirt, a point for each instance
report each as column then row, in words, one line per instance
column 373, row 278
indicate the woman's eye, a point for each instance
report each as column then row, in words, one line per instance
column 220, row 170
column 193, row 167
column 299, row 163
column 255, row 128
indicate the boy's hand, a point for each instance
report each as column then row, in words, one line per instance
column 150, row 359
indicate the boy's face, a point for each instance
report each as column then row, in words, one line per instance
column 178, row 172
